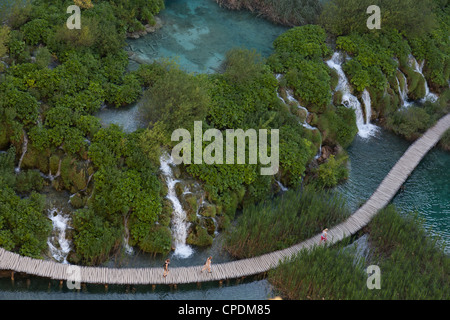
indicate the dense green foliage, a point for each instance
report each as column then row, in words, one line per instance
column 242, row 97
column 284, row 221
column 177, row 99
column 299, row 53
column 342, row 17
column 412, row 266
column 411, row 123
column 55, row 82
column 23, row 224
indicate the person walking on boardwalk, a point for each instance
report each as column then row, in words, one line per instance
column 166, row 268
column 207, row 264
column 324, row 235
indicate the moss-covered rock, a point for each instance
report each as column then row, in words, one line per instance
column 208, row 210
column 166, row 213
column 337, row 98
column 209, row 225
column 74, row 174
column 191, row 207
column 199, row 237
column 35, row 159
column 54, row 164
column 78, row 201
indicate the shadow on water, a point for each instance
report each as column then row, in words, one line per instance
column 30, row 287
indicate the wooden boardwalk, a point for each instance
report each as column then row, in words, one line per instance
column 246, row 267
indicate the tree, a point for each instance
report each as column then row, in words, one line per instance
column 178, row 99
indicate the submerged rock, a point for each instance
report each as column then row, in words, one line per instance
column 147, row 29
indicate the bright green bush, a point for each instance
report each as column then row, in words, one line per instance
column 177, row 99
column 35, row 31
column 23, row 224
column 94, row 236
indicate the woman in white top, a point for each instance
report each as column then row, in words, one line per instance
column 324, row 235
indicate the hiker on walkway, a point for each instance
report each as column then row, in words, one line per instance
column 166, row 268
column 324, row 235
column 207, row 265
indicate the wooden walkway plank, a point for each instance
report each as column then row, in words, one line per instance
column 387, row 189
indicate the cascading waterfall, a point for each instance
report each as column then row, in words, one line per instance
column 365, row 129
column 58, row 244
column 419, row 68
column 291, row 98
column 283, row 188
column 368, row 109
column 180, row 225
column 50, row 176
column 403, row 92
column 24, row 151
column 126, row 238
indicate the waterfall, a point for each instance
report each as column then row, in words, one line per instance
column 291, row 98
column 53, row 177
column 283, row 188
column 58, row 244
column 365, row 129
column 24, row 150
column 305, row 124
column 368, row 109
column 126, row 238
column 403, row 92
column 319, row 154
column 179, row 222
column 429, row 96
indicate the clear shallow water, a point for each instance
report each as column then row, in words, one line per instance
column 44, row 289
column 198, row 33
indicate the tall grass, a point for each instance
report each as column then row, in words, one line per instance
column 413, row 266
column 324, row 273
column 285, row 221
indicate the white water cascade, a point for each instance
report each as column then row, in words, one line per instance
column 180, row 225
column 365, row 128
column 58, row 244
column 291, row 98
column 126, row 237
column 282, row 187
column 429, row 96
column 403, row 93
column 24, row 150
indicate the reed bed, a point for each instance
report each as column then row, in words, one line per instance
column 287, row 220
column 413, row 266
